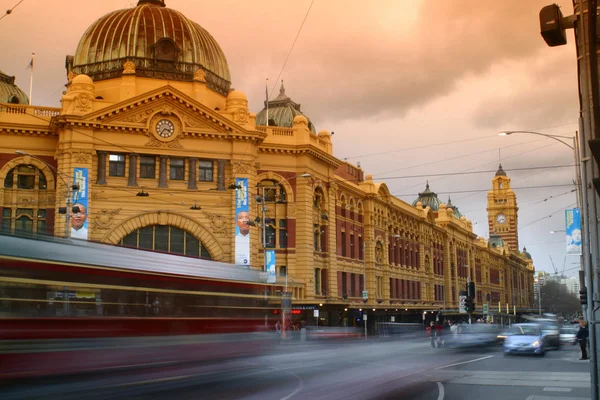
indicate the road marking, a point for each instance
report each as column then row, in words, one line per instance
column 441, row 390
column 556, row 389
column 379, row 365
column 465, row 362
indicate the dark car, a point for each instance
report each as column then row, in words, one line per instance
column 525, row 339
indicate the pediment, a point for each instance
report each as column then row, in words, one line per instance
column 195, row 118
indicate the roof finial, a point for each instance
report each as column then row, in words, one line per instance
column 282, row 88
column 427, row 184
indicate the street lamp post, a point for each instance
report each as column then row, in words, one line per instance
column 70, row 189
column 580, row 186
column 286, row 296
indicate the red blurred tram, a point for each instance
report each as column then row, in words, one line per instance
column 72, row 306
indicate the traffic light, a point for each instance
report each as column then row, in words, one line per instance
column 471, row 290
column 583, row 296
column 469, row 305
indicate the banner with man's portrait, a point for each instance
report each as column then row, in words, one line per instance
column 242, row 217
column 79, row 205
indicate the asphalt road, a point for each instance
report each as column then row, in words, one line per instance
column 358, row 369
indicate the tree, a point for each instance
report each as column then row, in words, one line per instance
column 557, row 300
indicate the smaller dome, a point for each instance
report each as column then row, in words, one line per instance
column 82, row 79
column 9, row 92
column 428, row 199
column 237, row 94
column 496, row 241
column 300, row 119
column 324, row 133
column 526, row 254
column 281, row 112
column 457, row 213
column 500, row 171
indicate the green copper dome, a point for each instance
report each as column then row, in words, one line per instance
column 428, row 199
column 9, row 92
column 161, row 42
column 457, row 213
column 282, row 111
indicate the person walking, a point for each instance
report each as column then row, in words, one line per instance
column 432, row 333
column 582, row 336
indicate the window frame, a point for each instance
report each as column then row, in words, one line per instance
column 115, row 166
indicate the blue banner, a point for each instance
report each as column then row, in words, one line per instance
column 242, row 217
column 573, row 231
column 271, row 268
column 79, row 210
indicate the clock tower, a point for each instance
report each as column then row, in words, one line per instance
column 502, row 210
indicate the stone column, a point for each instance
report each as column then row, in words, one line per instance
column 132, row 170
column 221, row 174
column 192, row 174
column 162, row 172
column 101, row 168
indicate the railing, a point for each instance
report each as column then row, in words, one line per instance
column 276, row 131
column 21, row 109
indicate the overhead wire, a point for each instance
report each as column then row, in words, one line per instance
column 10, row 10
column 546, row 216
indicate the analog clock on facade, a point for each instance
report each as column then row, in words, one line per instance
column 501, row 218
column 165, row 128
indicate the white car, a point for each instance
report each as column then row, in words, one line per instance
column 568, row 334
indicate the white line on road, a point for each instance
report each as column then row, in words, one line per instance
column 465, row 362
column 556, row 389
column 441, row 389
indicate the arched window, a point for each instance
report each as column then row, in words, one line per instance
column 166, row 49
column 13, row 100
column 30, row 220
column 25, row 177
column 168, row 239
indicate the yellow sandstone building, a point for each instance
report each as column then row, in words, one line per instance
column 168, row 157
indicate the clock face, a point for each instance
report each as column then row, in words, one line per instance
column 501, row 219
column 165, row 128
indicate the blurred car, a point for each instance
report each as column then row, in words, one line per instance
column 501, row 337
column 550, row 332
column 473, row 335
column 568, row 334
column 525, row 339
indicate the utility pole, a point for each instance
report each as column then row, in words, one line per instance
column 553, row 25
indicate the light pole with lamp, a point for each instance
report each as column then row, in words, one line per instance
column 70, row 190
column 581, row 202
column 265, row 191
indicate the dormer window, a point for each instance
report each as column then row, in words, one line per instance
column 166, row 49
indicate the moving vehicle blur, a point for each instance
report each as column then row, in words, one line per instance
column 473, row 335
column 75, row 306
column 568, row 334
column 525, row 339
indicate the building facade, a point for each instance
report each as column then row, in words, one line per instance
column 167, row 157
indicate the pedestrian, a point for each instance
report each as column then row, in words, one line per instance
column 582, row 336
column 278, row 328
column 431, row 332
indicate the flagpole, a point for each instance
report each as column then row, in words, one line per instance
column 267, row 94
column 31, row 80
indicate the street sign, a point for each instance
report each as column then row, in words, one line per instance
column 365, row 295
column 364, row 317
column 461, row 304
column 392, row 319
column 485, row 308
column 316, row 313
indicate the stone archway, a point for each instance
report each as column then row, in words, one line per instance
column 27, row 160
column 172, row 219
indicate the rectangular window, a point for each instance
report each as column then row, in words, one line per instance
column 282, row 233
column 352, row 245
column 317, row 237
column 177, row 169
column 270, row 236
column 361, row 248
column 205, row 171
column 148, row 167
column 116, row 165
column 343, row 244
column 317, row 281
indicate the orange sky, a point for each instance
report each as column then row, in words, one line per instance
column 392, row 76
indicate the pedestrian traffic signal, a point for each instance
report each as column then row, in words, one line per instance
column 583, row 296
column 469, row 305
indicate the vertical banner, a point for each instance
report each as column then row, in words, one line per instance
column 242, row 217
column 573, row 231
column 79, row 222
column 271, row 269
